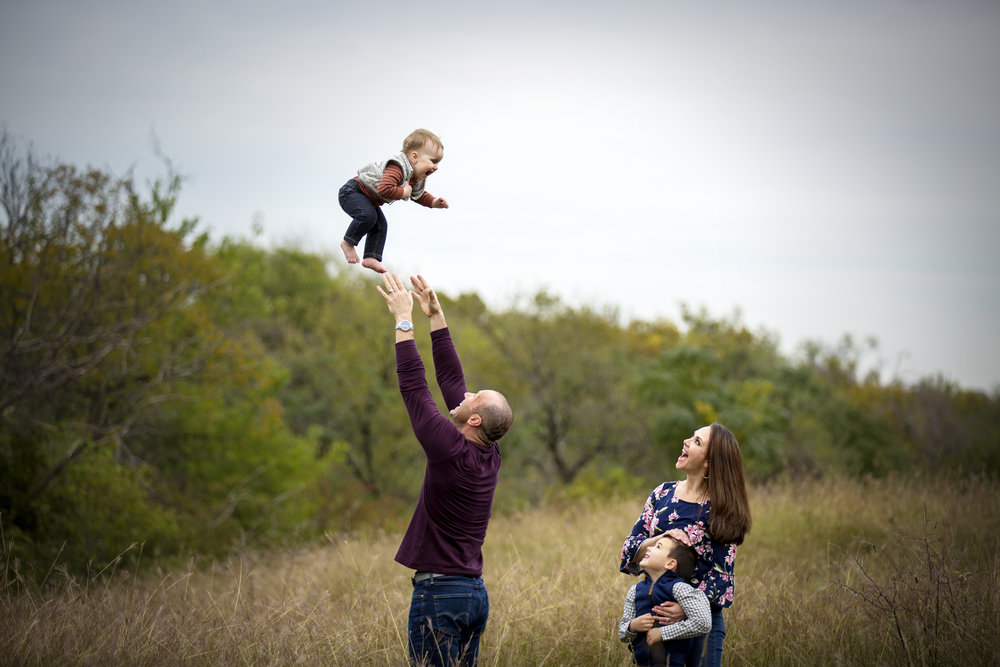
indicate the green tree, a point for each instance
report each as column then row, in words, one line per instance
column 89, row 273
column 944, row 426
column 567, row 375
column 112, row 366
column 331, row 332
column 787, row 417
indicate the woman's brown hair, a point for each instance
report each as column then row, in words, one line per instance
column 727, row 489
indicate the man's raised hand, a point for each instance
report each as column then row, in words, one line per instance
column 426, row 296
column 398, row 299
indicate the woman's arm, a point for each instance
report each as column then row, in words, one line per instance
column 695, row 606
column 640, row 538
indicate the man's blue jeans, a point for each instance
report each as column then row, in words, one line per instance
column 447, row 619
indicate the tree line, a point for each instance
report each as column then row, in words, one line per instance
column 195, row 396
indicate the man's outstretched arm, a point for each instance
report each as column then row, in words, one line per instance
column 399, row 301
column 447, row 367
column 428, row 302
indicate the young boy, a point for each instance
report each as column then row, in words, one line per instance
column 400, row 176
column 669, row 565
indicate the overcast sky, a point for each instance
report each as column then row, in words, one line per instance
column 823, row 168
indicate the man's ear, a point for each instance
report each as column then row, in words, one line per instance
column 474, row 420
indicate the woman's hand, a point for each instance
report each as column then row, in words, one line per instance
column 668, row 612
column 679, row 535
column 653, row 636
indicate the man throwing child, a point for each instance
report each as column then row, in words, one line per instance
column 443, row 543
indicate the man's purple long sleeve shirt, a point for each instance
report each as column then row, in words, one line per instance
column 448, row 527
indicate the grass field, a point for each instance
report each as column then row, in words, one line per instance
column 875, row 572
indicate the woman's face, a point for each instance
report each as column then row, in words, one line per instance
column 694, row 454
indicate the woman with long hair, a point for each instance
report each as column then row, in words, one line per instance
column 709, row 510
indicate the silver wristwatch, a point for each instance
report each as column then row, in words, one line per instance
column 404, row 325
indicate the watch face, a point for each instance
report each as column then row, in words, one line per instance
column 404, row 326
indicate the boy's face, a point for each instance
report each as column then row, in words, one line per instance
column 657, row 558
column 425, row 161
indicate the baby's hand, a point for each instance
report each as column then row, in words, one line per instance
column 439, row 203
column 407, row 190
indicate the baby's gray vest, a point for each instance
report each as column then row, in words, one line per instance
column 371, row 174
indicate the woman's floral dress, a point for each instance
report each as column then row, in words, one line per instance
column 663, row 512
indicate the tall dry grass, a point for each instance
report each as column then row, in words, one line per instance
column 835, row 572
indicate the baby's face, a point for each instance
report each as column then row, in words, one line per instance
column 425, row 161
